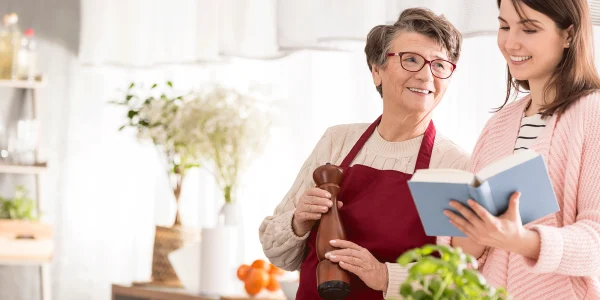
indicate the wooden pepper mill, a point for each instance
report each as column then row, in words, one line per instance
column 333, row 282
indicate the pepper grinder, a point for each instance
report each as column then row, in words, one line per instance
column 333, row 282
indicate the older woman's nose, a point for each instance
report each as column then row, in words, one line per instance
column 425, row 74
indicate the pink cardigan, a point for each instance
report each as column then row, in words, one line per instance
column 569, row 263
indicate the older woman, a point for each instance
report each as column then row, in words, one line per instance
column 411, row 62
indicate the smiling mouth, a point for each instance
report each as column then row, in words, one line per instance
column 425, row 92
column 519, row 58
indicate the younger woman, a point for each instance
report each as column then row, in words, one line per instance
column 548, row 47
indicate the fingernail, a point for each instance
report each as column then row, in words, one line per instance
column 471, row 202
column 331, row 256
column 330, row 203
column 446, row 213
column 327, row 255
column 332, row 241
column 328, row 195
column 324, row 209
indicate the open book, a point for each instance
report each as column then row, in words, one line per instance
column 491, row 187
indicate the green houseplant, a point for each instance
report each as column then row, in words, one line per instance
column 21, row 207
column 445, row 277
column 23, row 236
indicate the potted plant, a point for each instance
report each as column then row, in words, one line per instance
column 217, row 128
column 156, row 114
column 231, row 127
column 446, row 277
column 159, row 114
column 22, row 236
column 233, row 132
column 21, row 207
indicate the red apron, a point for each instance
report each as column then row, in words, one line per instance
column 378, row 214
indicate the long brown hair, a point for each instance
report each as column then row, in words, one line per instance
column 576, row 75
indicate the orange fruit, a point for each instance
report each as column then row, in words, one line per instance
column 252, row 288
column 273, row 285
column 273, row 270
column 242, row 272
column 260, row 264
column 258, row 277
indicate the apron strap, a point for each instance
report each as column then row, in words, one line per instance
column 426, row 149
column 423, row 158
column 360, row 143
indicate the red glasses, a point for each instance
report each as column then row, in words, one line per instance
column 413, row 62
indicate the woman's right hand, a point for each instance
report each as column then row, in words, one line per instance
column 311, row 205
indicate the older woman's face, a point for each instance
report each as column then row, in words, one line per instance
column 414, row 92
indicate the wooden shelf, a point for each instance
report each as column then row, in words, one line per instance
column 25, row 243
column 24, row 261
column 23, row 84
column 23, row 169
column 33, row 247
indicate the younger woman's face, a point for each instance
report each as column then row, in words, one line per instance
column 532, row 47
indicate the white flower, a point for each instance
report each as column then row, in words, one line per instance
column 216, row 125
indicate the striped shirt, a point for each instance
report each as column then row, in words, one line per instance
column 531, row 128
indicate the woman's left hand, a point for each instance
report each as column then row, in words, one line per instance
column 503, row 232
column 361, row 262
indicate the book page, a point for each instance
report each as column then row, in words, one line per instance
column 505, row 163
column 444, row 176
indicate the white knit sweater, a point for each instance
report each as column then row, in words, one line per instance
column 286, row 250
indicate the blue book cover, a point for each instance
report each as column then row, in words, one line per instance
column 491, row 187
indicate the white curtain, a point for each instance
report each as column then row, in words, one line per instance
column 150, row 32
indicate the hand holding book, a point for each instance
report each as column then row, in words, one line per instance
column 490, row 188
column 504, row 232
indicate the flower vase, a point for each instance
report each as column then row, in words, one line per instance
column 169, row 239
column 230, row 217
column 176, row 181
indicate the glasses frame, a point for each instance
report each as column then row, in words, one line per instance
column 427, row 62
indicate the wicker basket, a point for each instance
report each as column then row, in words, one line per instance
column 166, row 240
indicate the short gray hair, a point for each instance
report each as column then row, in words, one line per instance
column 419, row 20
